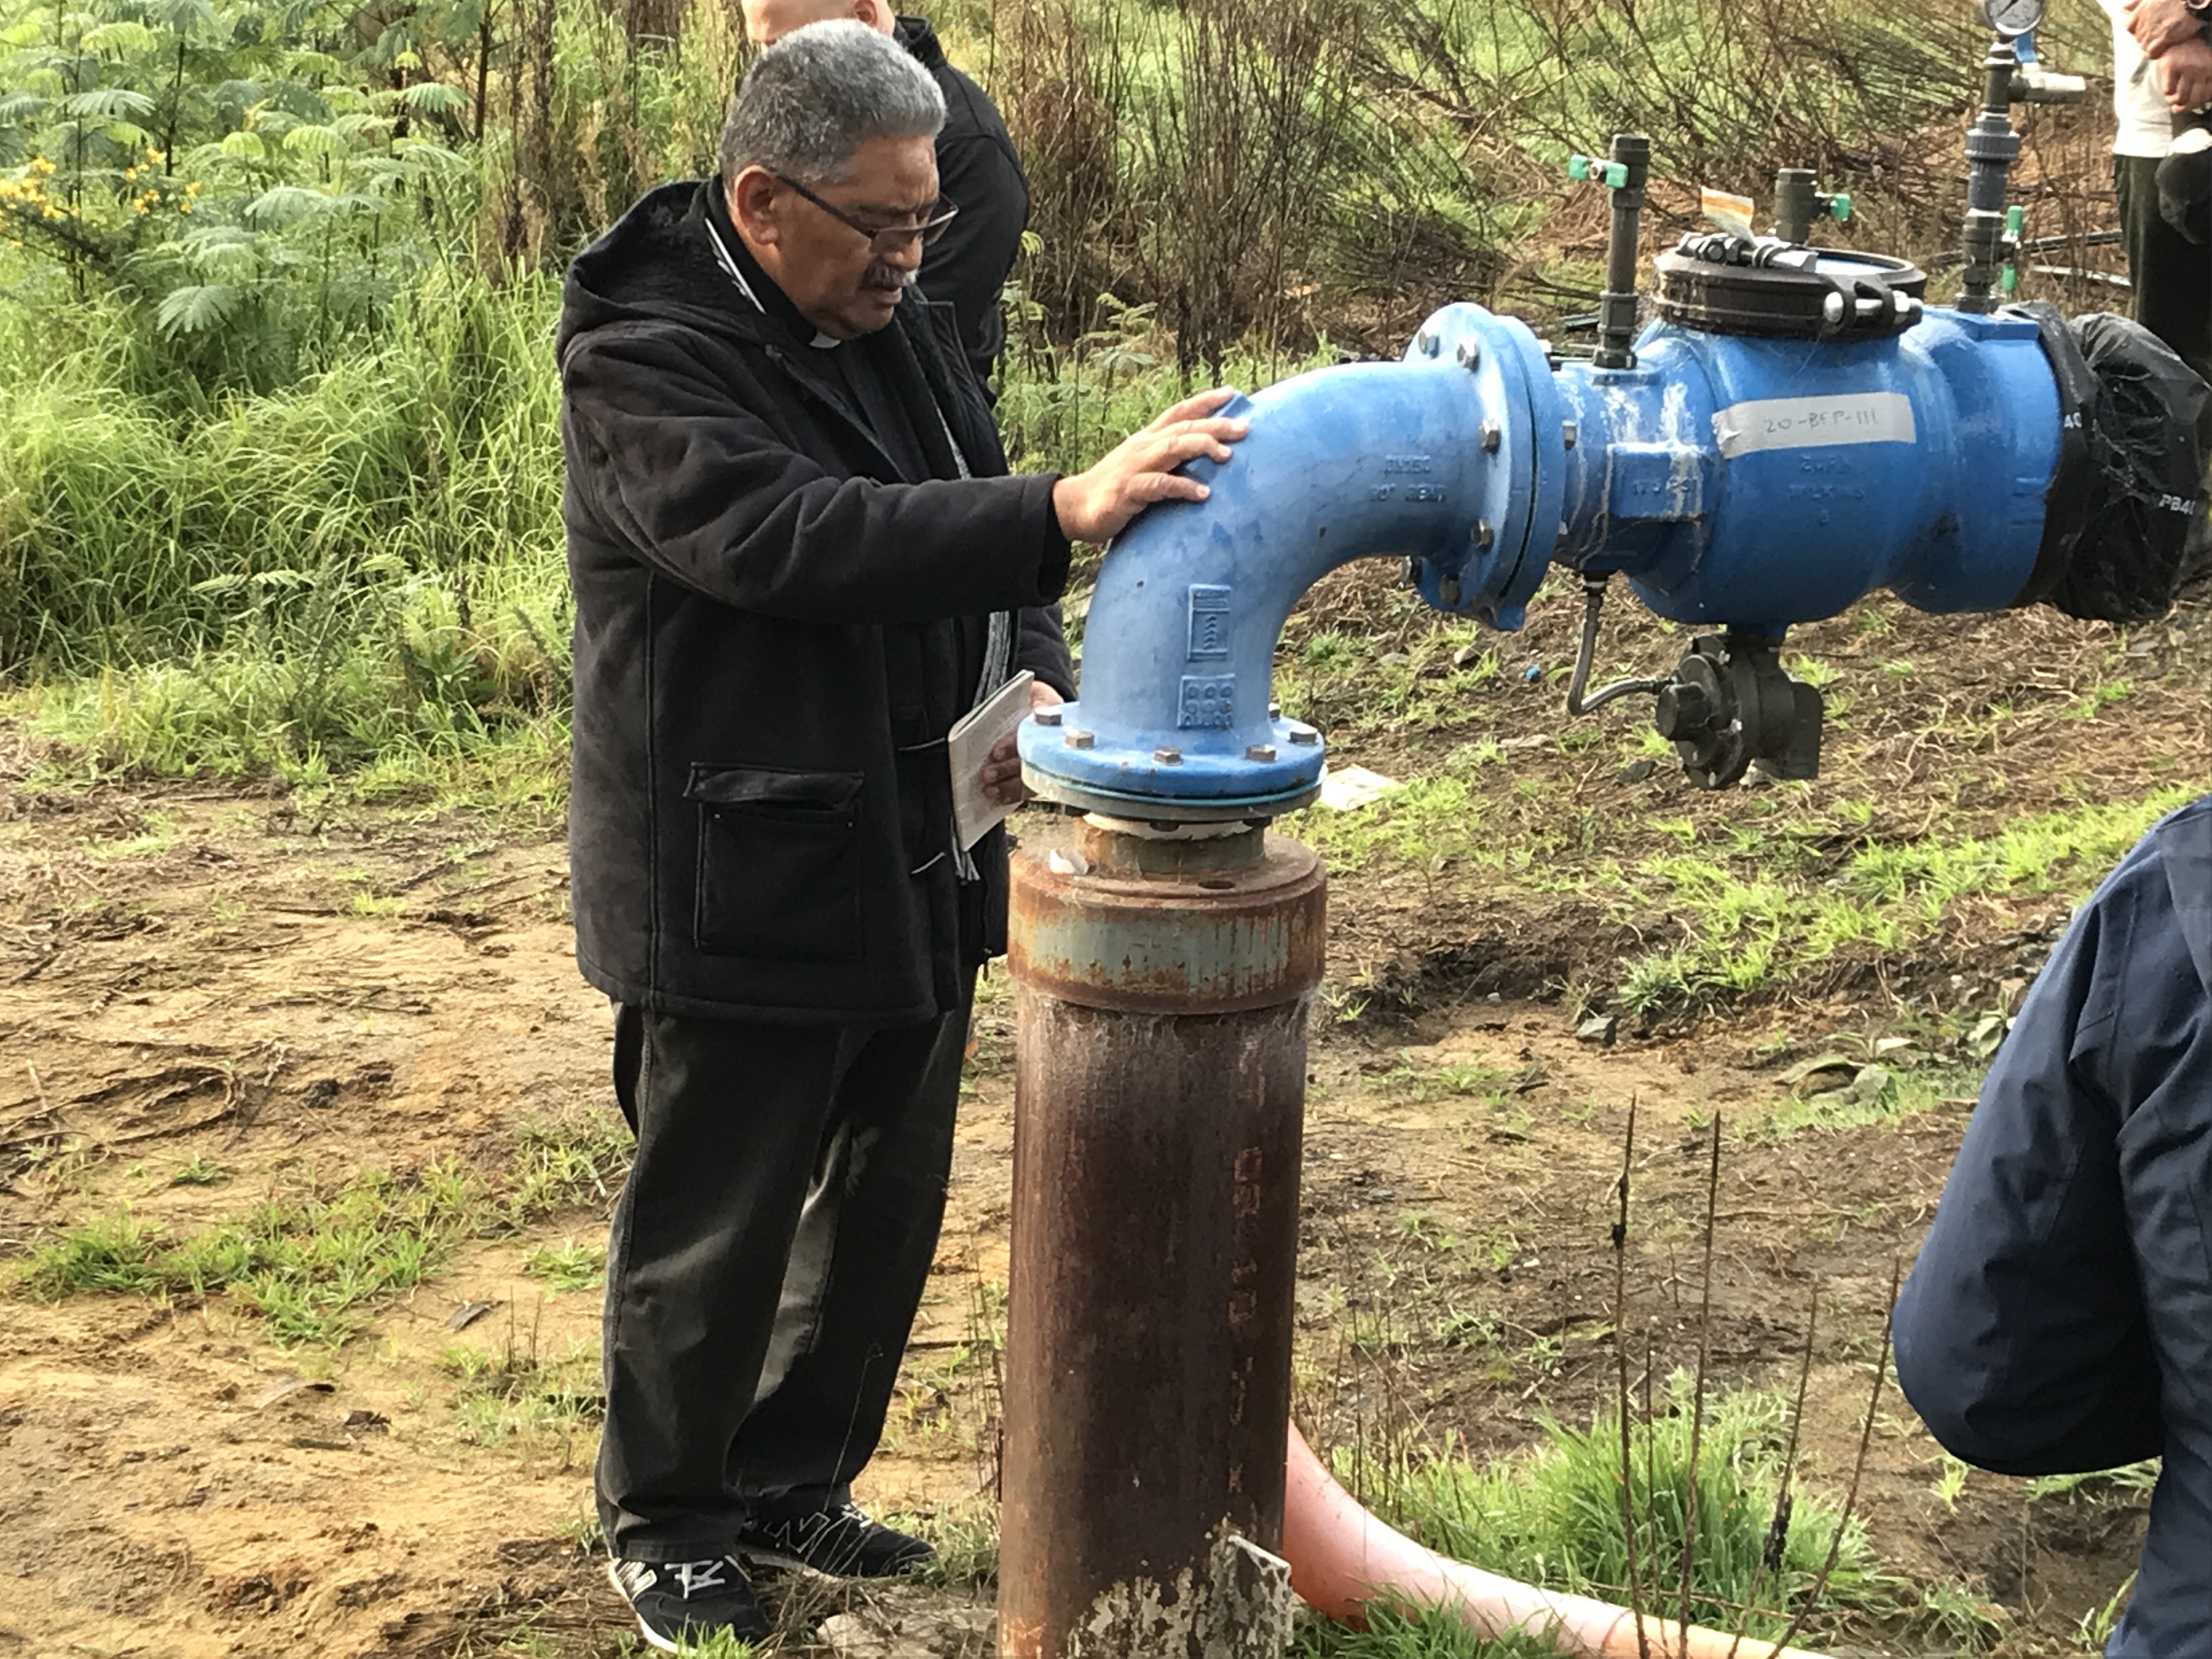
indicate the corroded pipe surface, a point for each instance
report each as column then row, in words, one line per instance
column 1163, row 988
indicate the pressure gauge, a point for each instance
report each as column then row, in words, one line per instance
column 2010, row 18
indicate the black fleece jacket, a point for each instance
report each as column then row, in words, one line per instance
column 978, row 170
column 778, row 617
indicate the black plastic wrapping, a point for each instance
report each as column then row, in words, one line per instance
column 2130, row 478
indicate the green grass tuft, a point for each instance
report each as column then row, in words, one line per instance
column 307, row 1264
column 1552, row 1517
column 1422, row 1634
column 518, row 1393
column 314, row 1264
column 568, row 1266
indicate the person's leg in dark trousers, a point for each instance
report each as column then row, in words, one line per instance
column 2171, row 276
column 862, row 1265
column 730, row 1121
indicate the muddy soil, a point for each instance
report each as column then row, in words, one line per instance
column 226, row 986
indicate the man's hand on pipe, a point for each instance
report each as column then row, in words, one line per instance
column 2184, row 75
column 1002, row 771
column 1095, row 506
column 2159, row 25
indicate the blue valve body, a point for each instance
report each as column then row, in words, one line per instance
column 1761, row 483
column 1751, row 483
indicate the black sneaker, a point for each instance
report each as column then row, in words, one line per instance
column 690, row 1600
column 837, row 1539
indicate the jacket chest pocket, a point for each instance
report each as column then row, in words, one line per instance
column 779, row 872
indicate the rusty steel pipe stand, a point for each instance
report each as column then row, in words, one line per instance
column 1164, row 980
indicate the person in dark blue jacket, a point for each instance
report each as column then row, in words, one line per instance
column 2059, row 1319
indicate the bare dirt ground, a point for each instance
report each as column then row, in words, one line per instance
column 219, row 985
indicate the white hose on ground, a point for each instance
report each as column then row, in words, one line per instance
column 1342, row 1557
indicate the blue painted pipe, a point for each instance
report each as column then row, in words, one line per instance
column 1745, row 482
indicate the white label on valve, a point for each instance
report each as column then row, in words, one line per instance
column 1814, row 423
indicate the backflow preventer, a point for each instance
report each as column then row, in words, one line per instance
column 1797, row 430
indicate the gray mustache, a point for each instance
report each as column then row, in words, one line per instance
column 890, row 276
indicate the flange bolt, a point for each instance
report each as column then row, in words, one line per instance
column 1491, row 435
column 1168, row 757
column 1080, row 740
column 1304, row 736
column 1469, row 354
column 1571, row 434
column 1261, row 751
column 1046, row 717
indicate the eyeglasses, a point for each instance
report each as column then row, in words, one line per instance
column 887, row 240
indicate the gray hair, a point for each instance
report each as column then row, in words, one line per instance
column 817, row 94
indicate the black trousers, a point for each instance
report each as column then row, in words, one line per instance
column 768, row 1254
column 2171, row 276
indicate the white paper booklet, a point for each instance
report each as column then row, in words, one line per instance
column 969, row 743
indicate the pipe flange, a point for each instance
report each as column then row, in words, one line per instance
column 1520, row 432
column 1157, row 809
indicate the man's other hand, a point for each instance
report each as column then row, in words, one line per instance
column 1095, row 506
column 2159, row 25
column 2184, row 75
column 1002, row 770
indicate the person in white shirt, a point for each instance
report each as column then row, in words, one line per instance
column 2161, row 70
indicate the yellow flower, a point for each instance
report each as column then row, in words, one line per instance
column 130, row 174
column 184, row 207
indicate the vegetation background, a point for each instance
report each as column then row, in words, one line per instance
column 278, row 469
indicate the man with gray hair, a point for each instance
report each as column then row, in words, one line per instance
column 977, row 167
column 797, row 562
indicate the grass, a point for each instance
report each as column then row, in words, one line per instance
column 1551, row 1517
column 517, row 1392
column 315, row 1264
column 1759, row 897
column 568, row 1266
column 1422, row 1634
column 308, row 1265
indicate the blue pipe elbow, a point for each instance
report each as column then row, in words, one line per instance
column 1440, row 461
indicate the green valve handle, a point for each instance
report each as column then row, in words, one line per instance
column 2008, row 282
column 1839, row 207
column 1613, row 175
column 2015, row 222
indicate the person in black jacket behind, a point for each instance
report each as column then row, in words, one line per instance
column 976, row 168
column 797, row 561
column 2059, row 1319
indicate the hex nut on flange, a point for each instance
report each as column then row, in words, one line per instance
column 1046, row 716
column 1168, row 757
column 1261, row 751
column 1304, row 735
column 1492, row 434
column 1469, row 354
column 1080, row 740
